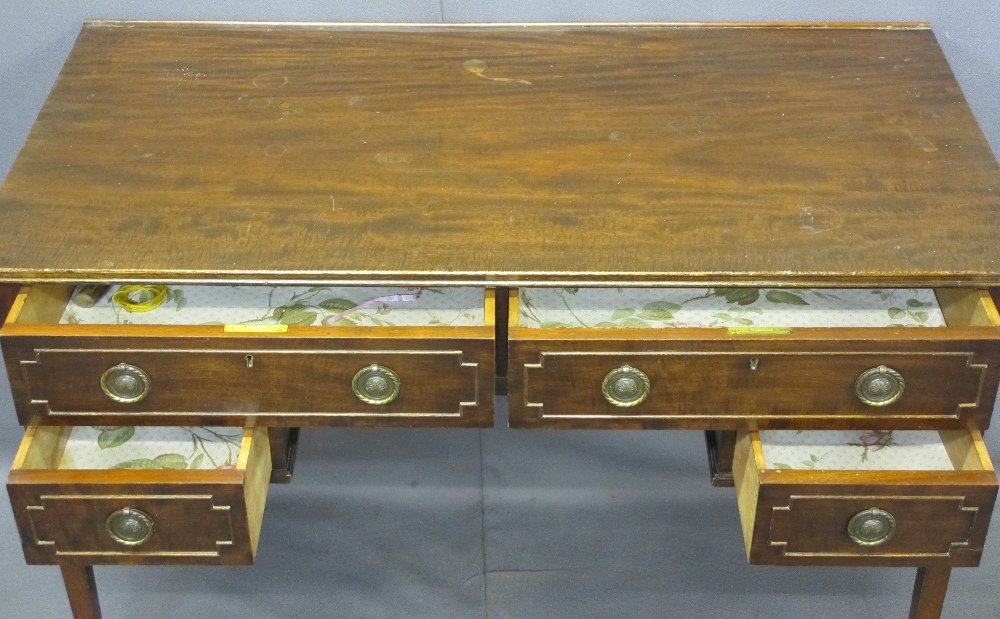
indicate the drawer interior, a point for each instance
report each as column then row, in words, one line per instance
column 135, row 448
column 258, row 306
column 643, row 308
column 870, row 450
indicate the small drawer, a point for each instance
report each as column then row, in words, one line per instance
column 894, row 498
column 283, row 356
column 140, row 495
column 723, row 358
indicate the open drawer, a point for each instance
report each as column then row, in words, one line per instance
column 140, row 495
column 285, row 356
column 895, row 498
column 723, row 358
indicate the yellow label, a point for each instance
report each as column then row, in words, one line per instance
column 759, row 330
column 255, row 328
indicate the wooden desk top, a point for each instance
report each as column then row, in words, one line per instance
column 600, row 154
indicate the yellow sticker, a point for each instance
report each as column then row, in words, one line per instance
column 759, row 330
column 255, row 328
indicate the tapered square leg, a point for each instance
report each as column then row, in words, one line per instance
column 929, row 590
column 82, row 591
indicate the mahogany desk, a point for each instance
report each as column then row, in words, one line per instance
column 752, row 163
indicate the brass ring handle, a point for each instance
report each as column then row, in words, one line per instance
column 625, row 386
column 376, row 384
column 129, row 527
column 871, row 527
column 879, row 386
column 125, row 383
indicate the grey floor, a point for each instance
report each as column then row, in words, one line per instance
column 495, row 523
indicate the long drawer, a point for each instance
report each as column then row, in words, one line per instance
column 627, row 374
column 159, row 503
column 877, row 498
column 354, row 372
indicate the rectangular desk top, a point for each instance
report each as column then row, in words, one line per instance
column 504, row 155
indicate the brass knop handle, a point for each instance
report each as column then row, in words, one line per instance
column 879, row 386
column 125, row 383
column 871, row 527
column 129, row 527
column 376, row 384
column 625, row 386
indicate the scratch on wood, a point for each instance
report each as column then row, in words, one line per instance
column 690, row 137
column 478, row 68
column 393, row 158
column 925, row 145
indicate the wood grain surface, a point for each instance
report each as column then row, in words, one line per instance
column 502, row 155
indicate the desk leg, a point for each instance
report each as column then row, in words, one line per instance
column 501, row 306
column 284, row 442
column 928, row 592
column 7, row 294
column 82, row 591
column 721, row 446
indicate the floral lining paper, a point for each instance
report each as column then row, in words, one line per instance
column 643, row 308
column 184, row 447
column 290, row 305
column 151, row 448
column 846, row 450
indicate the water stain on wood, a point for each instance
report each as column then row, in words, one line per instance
column 265, row 81
column 819, row 219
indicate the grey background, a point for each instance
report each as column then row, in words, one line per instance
column 496, row 523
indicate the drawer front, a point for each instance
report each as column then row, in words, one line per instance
column 195, row 524
column 438, row 382
column 933, row 525
column 726, row 384
column 209, row 516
